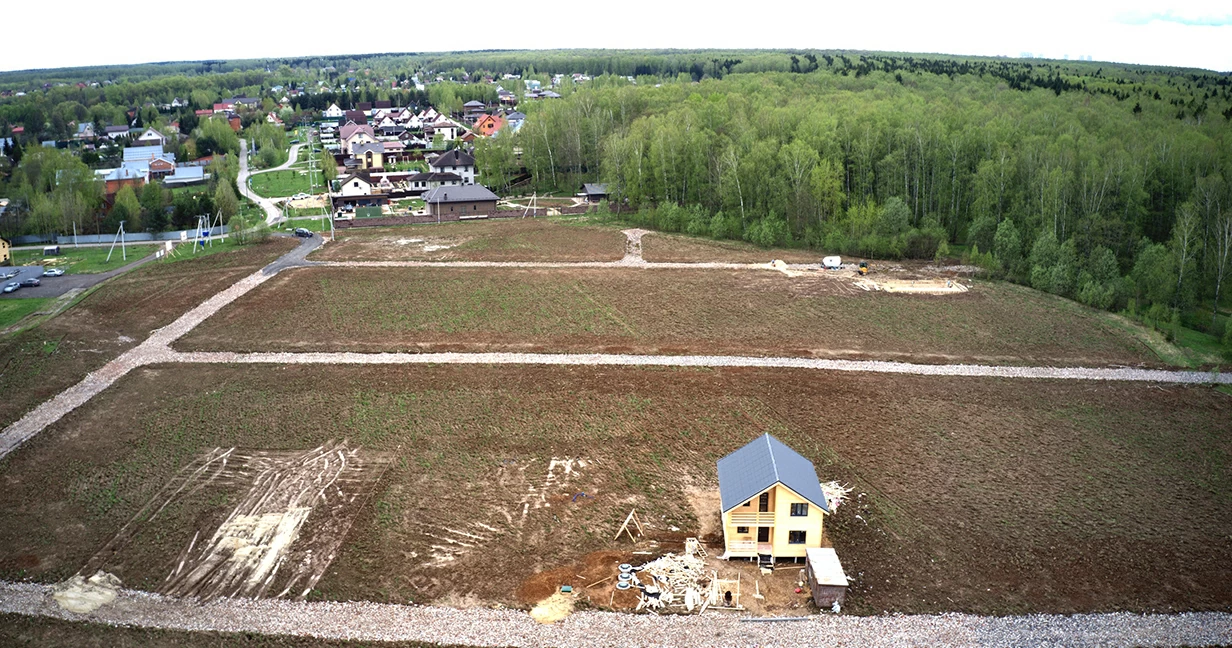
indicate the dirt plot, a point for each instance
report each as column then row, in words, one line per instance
column 530, row 239
column 677, row 248
column 39, row 363
column 989, row 496
column 292, row 511
column 657, row 311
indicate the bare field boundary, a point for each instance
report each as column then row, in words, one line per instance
column 486, row 627
column 570, row 359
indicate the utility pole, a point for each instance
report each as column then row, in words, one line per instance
column 118, row 237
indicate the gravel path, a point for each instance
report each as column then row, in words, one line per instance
column 868, row 366
column 487, row 627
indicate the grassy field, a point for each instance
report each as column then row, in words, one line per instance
column 13, row 311
column 83, row 260
column 979, row 495
column 277, row 184
column 746, row 312
column 18, row 630
column 529, row 239
column 40, row 362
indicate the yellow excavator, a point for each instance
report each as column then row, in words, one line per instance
column 863, row 268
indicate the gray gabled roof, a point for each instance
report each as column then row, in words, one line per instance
column 464, row 193
column 451, row 158
column 759, row 465
column 594, row 189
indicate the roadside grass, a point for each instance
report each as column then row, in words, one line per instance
column 84, row 260
column 279, row 184
column 673, row 311
column 313, row 224
column 658, row 246
column 946, row 503
column 13, row 310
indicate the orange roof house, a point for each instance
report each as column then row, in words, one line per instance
column 487, row 125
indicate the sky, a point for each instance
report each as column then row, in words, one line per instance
column 1196, row 33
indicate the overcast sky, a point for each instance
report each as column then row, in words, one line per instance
column 1196, row 33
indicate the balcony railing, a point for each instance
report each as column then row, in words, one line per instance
column 751, row 519
column 735, row 546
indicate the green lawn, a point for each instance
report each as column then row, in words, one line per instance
column 84, row 260
column 410, row 203
column 277, row 184
column 13, row 310
column 314, row 224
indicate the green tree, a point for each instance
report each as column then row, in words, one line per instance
column 225, row 201
column 153, row 203
column 127, row 209
column 1007, row 246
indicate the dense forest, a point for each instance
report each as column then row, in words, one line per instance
column 1102, row 182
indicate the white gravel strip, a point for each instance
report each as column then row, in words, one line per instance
column 626, row 262
column 867, row 366
column 487, row 627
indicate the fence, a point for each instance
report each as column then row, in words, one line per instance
column 129, row 237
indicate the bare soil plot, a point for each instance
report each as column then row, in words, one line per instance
column 39, row 363
column 988, row 496
column 665, row 311
column 678, row 248
column 519, row 239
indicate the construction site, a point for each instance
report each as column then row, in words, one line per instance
column 549, row 424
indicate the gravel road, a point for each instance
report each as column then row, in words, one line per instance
column 488, row 627
column 868, row 366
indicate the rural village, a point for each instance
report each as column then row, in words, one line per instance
column 321, row 364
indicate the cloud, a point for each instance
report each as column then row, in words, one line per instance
column 1190, row 20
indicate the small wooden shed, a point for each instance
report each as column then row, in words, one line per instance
column 825, row 576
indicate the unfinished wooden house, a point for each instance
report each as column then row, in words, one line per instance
column 772, row 502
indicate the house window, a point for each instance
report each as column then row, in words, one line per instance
column 749, row 503
column 763, row 503
column 741, row 529
column 799, row 510
column 796, row 537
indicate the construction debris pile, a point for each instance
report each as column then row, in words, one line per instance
column 835, row 494
column 680, row 583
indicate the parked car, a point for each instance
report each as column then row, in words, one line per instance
column 9, row 274
column 29, row 282
column 300, row 196
column 53, row 272
column 303, row 233
column 11, row 286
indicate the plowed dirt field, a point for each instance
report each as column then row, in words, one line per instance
column 665, row 311
column 990, row 496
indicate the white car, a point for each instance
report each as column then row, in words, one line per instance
column 300, row 196
column 53, row 272
column 11, row 286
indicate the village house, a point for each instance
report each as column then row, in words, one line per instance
column 487, row 125
column 455, row 161
column 85, row 131
column 333, row 112
column 467, row 200
column 446, row 129
column 151, row 137
column 594, row 192
column 419, row 183
column 371, row 155
column 472, row 109
column 352, row 135
column 772, row 504
column 113, row 132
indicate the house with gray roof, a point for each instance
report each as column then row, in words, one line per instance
column 460, row 201
column 771, row 502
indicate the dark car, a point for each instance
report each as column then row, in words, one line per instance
column 29, row 283
column 303, row 233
